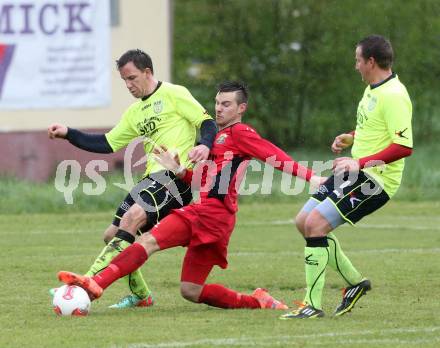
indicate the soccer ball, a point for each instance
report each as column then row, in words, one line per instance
column 71, row 300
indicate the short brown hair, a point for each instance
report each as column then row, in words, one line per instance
column 379, row 48
column 235, row 86
column 140, row 59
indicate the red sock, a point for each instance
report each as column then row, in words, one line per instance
column 217, row 295
column 125, row 263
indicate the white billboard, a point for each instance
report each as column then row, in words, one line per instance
column 54, row 54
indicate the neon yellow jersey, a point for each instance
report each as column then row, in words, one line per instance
column 169, row 116
column 384, row 117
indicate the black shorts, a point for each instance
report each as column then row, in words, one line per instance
column 158, row 193
column 354, row 195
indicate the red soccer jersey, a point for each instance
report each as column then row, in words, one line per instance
column 233, row 147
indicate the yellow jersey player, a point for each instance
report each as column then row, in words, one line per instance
column 362, row 183
column 164, row 114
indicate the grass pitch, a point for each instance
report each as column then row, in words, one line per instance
column 398, row 248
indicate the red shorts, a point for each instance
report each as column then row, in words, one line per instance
column 204, row 228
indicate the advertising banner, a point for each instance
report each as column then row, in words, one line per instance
column 54, row 54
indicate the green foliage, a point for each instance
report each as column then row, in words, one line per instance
column 298, row 59
column 397, row 248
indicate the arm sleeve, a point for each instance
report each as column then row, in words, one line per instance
column 90, row 142
column 390, row 154
column 251, row 143
column 208, row 130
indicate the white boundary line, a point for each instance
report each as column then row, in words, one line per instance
column 268, row 223
column 343, row 338
column 369, row 226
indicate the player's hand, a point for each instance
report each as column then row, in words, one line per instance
column 167, row 159
column 345, row 164
column 198, row 153
column 316, row 181
column 341, row 142
column 57, row 131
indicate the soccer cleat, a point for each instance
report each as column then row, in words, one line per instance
column 52, row 292
column 132, row 301
column 351, row 295
column 87, row 283
column 304, row 311
column 266, row 301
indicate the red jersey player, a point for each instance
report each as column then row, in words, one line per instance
column 206, row 226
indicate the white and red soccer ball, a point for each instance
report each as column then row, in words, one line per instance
column 71, row 300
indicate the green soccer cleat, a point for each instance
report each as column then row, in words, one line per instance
column 304, row 311
column 52, row 292
column 351, row 295
column 132, row 301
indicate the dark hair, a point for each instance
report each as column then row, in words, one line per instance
column 234, row 86
column 140, row 59
column 379, row 48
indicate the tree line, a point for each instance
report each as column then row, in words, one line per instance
column 297, row 58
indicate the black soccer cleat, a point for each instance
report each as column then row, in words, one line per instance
column 304, row 311
column 351, row 295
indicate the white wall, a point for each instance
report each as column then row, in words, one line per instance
column 144, row 24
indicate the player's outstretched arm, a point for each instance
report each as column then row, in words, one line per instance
column 89, row 142
column 391, row 153
column 342, row 141
column 251, row 143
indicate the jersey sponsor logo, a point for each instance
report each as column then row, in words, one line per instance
column 158, row 106
column 322, row 189
column 372, row 103
column 221, row 139
column 361, row 116
column 311, row 262
column 148, row 126
column 125, row 206
column 400, row 133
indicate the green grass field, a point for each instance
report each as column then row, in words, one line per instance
column 397, row 248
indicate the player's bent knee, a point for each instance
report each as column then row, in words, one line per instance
column 136, row 213
column 316, row 225
column 190, row 291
